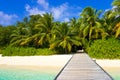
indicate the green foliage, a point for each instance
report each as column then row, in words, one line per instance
column 92, row 27
column 5, row 33
column 116, row 3
column 29, row 51
column 103, row 49
column 65, row 38
column 42, row 31
column 0, row 50
column 45, row 24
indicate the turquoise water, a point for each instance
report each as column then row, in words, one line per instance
column 40, row 73
column 20, row 73
column 114, row 72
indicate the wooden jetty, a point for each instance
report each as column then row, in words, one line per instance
column 82, row 67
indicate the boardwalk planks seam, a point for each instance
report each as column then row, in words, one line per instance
column 82, row 67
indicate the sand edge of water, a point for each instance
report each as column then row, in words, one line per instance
column 53, row 61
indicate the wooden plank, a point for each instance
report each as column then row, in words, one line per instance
column 82, row 67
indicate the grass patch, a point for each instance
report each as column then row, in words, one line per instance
column 29, row 51
column 105, row 49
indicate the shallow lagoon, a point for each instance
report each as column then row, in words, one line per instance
column 114, row 72
column 28, row 72
column 41, row 73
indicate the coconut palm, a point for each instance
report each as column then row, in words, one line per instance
column 116, row 22
column 108, row 19
column 44, row 25
column 5, row 33
column 19, row 35
column 116, row 7
column 116, row 3
column 117, row 30
column 33, row 22
column 64, row 37
column 111, row 19
column 116, row 10
column 91, row 25
column 75, row 25
column 34, row 35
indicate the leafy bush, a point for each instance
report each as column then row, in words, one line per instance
column 1, row 48
column 0, row 51
column 105, row 49
column 46, row 51
column 22, row 51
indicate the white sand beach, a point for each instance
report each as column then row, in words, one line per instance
column 108, row 63
column 51, row 61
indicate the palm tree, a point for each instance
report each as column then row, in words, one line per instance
column 108, row 19
column 19, row 35
column 116, row 4
column 116, row 23
column 117, row 30
column 34, row 33
column 5, row 33
column 91, row 25
column 33, row 22
column 111, row 19
column 64, row 37
column 75, row 25
column 116, row 11
column 44, row 26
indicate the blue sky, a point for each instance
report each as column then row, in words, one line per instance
column 62, row 10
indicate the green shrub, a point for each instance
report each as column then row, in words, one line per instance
column 45, row 51
column 1, row 48
column 29, row 51
column 105, row 49
column 0, row 51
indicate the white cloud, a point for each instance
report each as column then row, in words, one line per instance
column 6, row 19
column 59, row 11
column 106, row 10
column 33, row 11
column 64, row 12
column 114, row 7
column 66, row 19
column 43, row 3
column 79, row 13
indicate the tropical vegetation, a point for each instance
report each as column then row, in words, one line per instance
column 94, row 31
column 26, row 51
column 103, row 49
